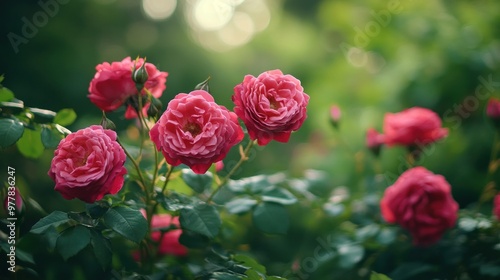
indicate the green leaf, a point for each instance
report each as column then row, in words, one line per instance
column 201, row 218
column 197, row 182
column 30, row 145
column 224, row 276
column 12, row 107
column 253, row 275
column 72, row 240
column 98, row 209
column 126, row 221
column 174, row 202
column 350, row 254
column 10, row 131
column 24, row 256
column 275, row 278
column 65, row 117
column 42, row 115
column 490, row 269
column 411, row 270
column 62, row 129
column 250, row 263
column 333, row 209
column 54, row 219
column 240, row 205
column 271, row 218
column 253, row 185
column 378, row 276
column 5, row 94
column 51, row 137
column 102, row 249
column 193, row 240
column 278, row 195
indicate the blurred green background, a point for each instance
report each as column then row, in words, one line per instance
column 368, row 57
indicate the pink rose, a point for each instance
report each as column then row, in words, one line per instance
column 196, row 131
column 493, row 108
column 414, row 126
column 168, row 242
column 88, row 164
column 271, row 106
column 112, row 85
column 496, row 206
column 420, row 202
column 374, row 139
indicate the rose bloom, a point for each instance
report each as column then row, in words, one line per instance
column 414, row 126
column 374, row 139
column 196, row 131
column 493, row 108
column 168, row 241
column 271, row 106
column 88, row 164
column 112, row 85
column 496, row 206
column 420, row 202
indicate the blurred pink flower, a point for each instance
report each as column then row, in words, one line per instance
column 374, row 139
column 496, row 206
column 493, row 108
column 421, row 202
column 413, row 126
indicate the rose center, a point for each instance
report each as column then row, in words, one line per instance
column 273, row 104
column 193, row 128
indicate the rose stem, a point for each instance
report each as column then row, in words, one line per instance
column 244, row 157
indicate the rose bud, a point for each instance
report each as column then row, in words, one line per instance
column 374, row 140
column 335, row 115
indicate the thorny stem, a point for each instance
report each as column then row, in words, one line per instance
column 243, row 158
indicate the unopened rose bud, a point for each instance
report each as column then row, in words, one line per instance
column 219, row 165
column 335, row 115
column 374, row 140
column 203, row 86
column 140, row 76
column 107, row 123
column 155, row 107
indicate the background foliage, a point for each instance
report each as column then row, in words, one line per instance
column 443, row 55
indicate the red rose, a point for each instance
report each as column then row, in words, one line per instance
column 168, row 242
column 271, row 106
column 374, row 139
column 414, row 126
column 196, row 131
column 493, row 108
column 420, row 202
column 88, row 164
column 496, row 206
column 112, row 85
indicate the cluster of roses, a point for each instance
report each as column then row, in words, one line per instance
column 193, row 130
column 419, row 200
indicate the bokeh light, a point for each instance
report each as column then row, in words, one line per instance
column 159, row 9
